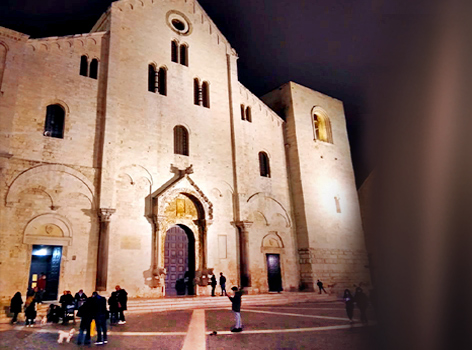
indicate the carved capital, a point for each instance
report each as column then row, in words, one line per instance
column 105, row 214
column 242, row 225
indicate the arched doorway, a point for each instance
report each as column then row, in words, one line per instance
column 179, row 261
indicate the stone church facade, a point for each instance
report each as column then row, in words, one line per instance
column 132, row 155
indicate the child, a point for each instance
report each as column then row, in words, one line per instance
column 30, row 311
column 236, row 307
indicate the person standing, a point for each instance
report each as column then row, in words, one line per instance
column 41, row 287
column 80, row 299
column 122, row 297
column 99, row 311
column 30, row 311
column 15, row 307
column 86, row 315
column 349, row 300
column 66, row 301
column 236, row 307
column 362, row 302
column 113, row 307
column 222, row 283
column 320, row 286
column 213, row 285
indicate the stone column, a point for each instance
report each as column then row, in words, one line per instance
column 102, row 256
column 245, row 276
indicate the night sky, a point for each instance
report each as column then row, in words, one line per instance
column 331, row 46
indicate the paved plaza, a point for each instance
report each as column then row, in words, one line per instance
column 309, row 325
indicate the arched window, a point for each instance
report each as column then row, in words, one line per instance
column 54, row 124
column 248, row 114
column 180, row 140
column 94, row 69
column 151, row 78
column 184, row 55
column 243, row 113
column 174, row 51
column 196, row 92
column 322, row 128
column 264, row 165
column 162, row 81
column 206, row 94
column 84, row 65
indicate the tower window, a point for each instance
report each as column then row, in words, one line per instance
column 181, row 140
column 243, row 113
column 264, row 165
column 174, row 51
column 54, row 124
column 162, row 81
column 94, row 69
column 84, row 66
column 196, row 92
column 183, row 55
column 322, row 127
column 248, row 114
column 151, row 78
column 206, row 94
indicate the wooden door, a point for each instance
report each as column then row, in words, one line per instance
column 274, row 273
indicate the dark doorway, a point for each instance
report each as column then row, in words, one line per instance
column 274, row 274
column 46, row 259
column 179, row 261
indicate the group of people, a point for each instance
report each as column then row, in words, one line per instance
column 360, row 299
column 222, row 284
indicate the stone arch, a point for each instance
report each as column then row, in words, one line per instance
column 278, row 205
column 24, row 179
column 134, row 172
column 272, row 240
column 48, row 229
column 321, row 125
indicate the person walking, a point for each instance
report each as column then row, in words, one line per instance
column 349, row 300
column 362, row 302
column 99, row 312
column 85, row 313
column 122, row 298
column 320, row 286
column 222, row 283
column 236, row 307
column 213, row 285
column 15, row 307
column 30, row 311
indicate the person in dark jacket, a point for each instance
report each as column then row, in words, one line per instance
column 15, row 307
column 66, row 300
column 362, row 302
column 30, row 311
column 122, row 297
column 113, row 305
column 79, row 299
column 213, row 285
column 320, row 286
column 100, row 312
column 86, row 315
column 222, row 283
column 236, row 307
column 349, row 300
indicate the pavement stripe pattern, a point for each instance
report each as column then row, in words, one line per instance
column 196, row 337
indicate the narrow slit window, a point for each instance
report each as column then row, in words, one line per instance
column 184, row 55
column 174, row 51
column 151, row 78
column 206, row 94
column 162, row 81
column 264, row 164
column 181, row 144
column 94, row 69
column 248, row 114
column 243, row 113
column 196, row 92
column 54, row 123
column 338, row 204
column 84, row 66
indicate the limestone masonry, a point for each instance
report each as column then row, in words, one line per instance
column 132, row 155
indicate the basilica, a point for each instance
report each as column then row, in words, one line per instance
column 132, row 155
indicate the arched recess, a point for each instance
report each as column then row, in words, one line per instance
column 33, row 177
column 272, row 243
column 48, row 229
column 278, row 207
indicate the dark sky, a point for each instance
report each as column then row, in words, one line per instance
column 330, row 46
